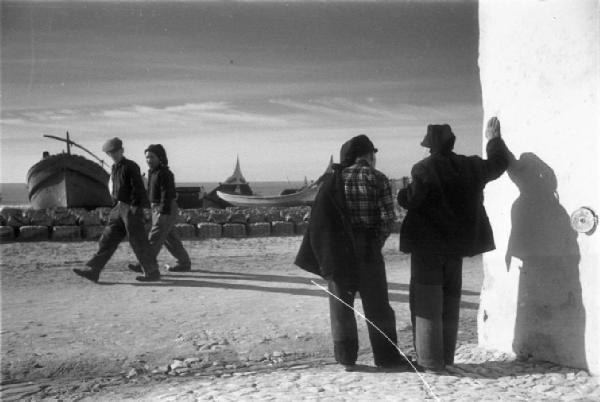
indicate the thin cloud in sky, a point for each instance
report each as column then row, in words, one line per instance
column 291, row 80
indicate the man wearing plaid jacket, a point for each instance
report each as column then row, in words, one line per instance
column 370, row 209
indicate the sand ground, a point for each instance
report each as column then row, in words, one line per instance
column 244, row 305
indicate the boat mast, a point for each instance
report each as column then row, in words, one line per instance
column 68, row 144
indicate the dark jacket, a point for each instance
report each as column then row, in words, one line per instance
column 327, row 248
column 445, row 202
column 127, row 184
column 161, row 188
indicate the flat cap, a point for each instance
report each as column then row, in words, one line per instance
column 112, row 145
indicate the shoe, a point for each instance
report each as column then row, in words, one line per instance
column 349, row 367
column 89, row 274
column 178, row 268
column 429, row 370
column 135, row 268
column 151, row 277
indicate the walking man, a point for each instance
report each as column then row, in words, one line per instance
column 445, row 222
column 125, row 218
column 161, row 191
column 350, row 220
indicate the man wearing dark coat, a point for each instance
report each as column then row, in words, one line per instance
column 161, row 192
column 350, row 220
column 125, row 218
column 446, row 221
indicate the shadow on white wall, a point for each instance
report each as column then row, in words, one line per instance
column 550, row 322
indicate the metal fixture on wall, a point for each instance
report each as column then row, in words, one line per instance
column 584, row 220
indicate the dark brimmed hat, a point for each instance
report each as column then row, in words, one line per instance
column 361, row 145
column 112, row 145
column 346, row 157
column 439, row 137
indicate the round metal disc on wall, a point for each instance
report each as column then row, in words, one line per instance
column 584, row 220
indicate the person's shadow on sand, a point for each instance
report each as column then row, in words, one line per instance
column 550, row 322
column 224, row 280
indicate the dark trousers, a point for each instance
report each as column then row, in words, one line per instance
column 372, row 286
column 163, row 232
column 435, row 288
column 121, row 222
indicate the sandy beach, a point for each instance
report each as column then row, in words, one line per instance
column 244, row 304
column 245, row 324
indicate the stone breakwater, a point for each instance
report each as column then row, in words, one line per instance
column 73, row 224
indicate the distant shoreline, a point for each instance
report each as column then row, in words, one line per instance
column 15, row 194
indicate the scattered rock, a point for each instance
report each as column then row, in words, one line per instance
column 191, row 360
column 177, row 364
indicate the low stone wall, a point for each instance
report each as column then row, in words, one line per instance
column 63, row 224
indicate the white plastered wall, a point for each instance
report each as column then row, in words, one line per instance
column 539, row 68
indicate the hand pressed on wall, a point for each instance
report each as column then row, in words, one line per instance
column 493, row 128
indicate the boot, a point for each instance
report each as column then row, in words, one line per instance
column 88, row 274
column 149, row 277
column 135, row 268
column 178, row 268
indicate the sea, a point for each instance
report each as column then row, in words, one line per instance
column 15, row 194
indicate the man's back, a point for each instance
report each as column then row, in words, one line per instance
column 368, row 198
column 445, row 202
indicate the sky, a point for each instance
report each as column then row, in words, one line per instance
column 281, row 84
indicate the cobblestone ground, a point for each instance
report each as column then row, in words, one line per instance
column 477, row 376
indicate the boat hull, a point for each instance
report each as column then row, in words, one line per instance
column 68, row 181
column 304, row 197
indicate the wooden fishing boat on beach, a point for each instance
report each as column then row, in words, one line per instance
column 302, row 197
column 67, row 180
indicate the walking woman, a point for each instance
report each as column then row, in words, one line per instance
column 161, row 192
